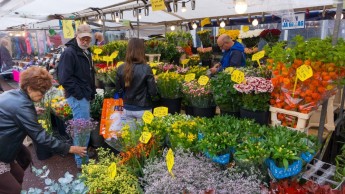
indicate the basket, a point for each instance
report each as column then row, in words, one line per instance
column 307, row 157
column 280, row 173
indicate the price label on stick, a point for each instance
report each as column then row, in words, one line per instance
column 160, row 111
column 114, row 54
column 112, row 170
column 257, row 56
column 189, row 77
column 147, row 117
column 184, row 62
column 97, row 51
column 304, row 72
column 145, row 137
column 237, row 76
column 170, row 160
column 154, row 71
column 203, row 80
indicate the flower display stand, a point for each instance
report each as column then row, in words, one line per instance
column 153, row 57
column 321, row 173
column 302, row 122
column 329, row 122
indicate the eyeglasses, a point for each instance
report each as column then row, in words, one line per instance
column 85, row 39
column 221, row 46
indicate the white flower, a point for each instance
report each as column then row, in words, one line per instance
column 250, row 33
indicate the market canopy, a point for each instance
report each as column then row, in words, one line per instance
column 38, row 14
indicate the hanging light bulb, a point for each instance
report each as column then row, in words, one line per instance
column 183, row 9
column 172, row 28
column 222, row 24
column 139, row 12
column 194, row 26
column 240, row 6
column 116, row 17
column 341, row 17
column 255, row 22
column 23, row 34
column 11, row 34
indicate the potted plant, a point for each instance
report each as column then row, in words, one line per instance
column 204, row 36
column 169, row 86
column 225, row 95
column 200, row 97
column 205, row 56
column 96, row 140
column 256, row 95
column 218, row 136
column 271, row 36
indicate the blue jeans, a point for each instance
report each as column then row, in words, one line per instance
column 80, row 110
column 133, row 118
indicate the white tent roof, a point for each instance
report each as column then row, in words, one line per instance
column 34, row 13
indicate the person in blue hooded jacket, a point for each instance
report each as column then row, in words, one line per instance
column 233, row 54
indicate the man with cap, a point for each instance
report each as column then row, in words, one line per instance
column 233, row 54
column 76, row 74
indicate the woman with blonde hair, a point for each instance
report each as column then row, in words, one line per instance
column 18, row 118
column 135, row 80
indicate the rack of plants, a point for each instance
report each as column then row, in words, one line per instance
column 321, row 173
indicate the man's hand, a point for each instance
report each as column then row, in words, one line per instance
column 214, row 70
column 81, row 151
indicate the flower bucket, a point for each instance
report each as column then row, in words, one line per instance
column 261, row 117
column 174, row 105
column 280, row 173
column 234, row 114
column 188, row 110
column 206, row 63
column 204, row 112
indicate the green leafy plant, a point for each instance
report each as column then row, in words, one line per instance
column 96, row 107
column 340, row 166
column 224, row 93
column 204, row 36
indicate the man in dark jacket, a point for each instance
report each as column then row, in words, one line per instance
column 77, row 75
column 233, row 55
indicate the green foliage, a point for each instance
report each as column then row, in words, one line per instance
column 169, row 85
column 118, row 45
column 179, row 38
column 225, row 96
column 340, row 166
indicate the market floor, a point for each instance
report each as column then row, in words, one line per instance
column 57, row 165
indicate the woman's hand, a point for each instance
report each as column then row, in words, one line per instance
column 39, row 110
column 81, row 151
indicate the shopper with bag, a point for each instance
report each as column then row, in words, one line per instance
column 135, row 80
column 18, row 118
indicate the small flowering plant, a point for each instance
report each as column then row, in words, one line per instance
column 61, row 108
column 183, row 133
column 198, row 95
column 256, row 93
column 204, row 36
column 106, row 74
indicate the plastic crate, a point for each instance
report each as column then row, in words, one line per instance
column 302, row 118
column 321, row 173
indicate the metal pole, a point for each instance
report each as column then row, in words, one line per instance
column 322, row 120
column 337, row 22
column 138, row 23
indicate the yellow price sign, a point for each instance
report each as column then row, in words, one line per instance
column 237, row 76
column 229, row 70
column 189, row 77
column 245, row 28
column 205, row 22
column 120, row 63
column 145, row 137
column 112, row 170
column 114, row 54
column 304, row 72
column 185, row 61
column 157, row 5
column 170, row 160
column 147, row 117
column 154, row 71
column 160, row 111
column 97, row 51
column 203, row 80
column 257, row 56
column 152, row 64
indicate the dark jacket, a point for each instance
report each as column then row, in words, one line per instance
column 18, row 118
column 234, row 57
column 5, row 58
column 76, row 72
column 142, row 89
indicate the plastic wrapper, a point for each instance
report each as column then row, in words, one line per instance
column 305, row 96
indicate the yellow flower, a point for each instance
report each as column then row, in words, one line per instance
column 191, row 137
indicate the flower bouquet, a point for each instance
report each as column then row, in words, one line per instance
column 232, row 33
column 204, row 36
column 61, row 108
column 80, row 129
column 106, row 74
column 198, row 95
column 169, row 85
column 256, row 93
column 271, row 36
column 205, row 53
column 250, row 38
